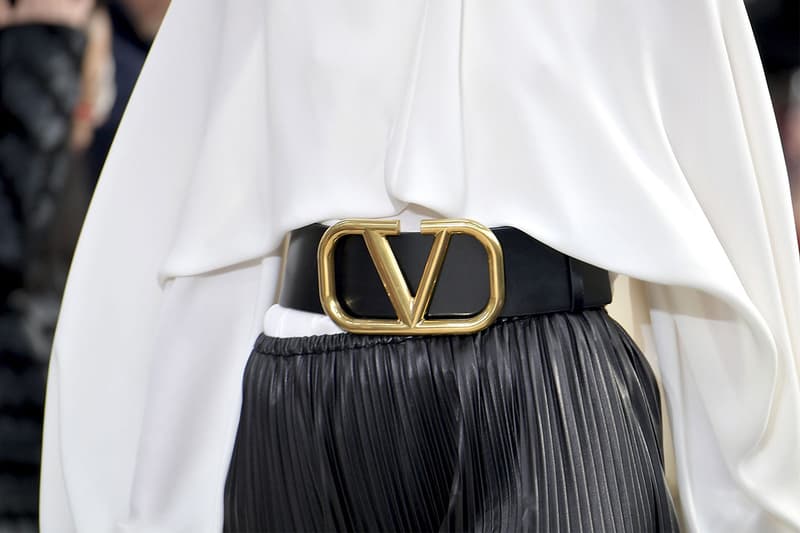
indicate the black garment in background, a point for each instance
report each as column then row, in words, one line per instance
column 40, row 68
column 546, row 423
column 776, row 25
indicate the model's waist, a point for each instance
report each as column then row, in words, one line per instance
column 446, row 279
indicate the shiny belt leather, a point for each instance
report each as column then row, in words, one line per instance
column 455, row 276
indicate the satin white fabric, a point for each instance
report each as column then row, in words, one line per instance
column 637, row 136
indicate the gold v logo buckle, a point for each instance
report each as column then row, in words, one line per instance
column 410, row 309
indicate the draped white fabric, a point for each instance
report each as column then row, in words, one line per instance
column 637, row 136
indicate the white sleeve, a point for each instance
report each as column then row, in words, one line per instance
column 730, row 370
column 102, row 350
column 208, row 326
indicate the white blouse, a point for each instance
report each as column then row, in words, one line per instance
column 635, row 135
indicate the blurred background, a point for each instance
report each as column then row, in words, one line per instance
column 67, row 68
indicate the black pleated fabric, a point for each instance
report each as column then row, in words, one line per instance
column 545, row 423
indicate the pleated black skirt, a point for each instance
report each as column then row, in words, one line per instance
column 545, row 423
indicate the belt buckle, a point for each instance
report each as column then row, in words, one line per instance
column 410, row 309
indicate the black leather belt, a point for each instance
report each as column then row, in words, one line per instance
column 538, row 279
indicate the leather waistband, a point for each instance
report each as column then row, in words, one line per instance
column 538, row 279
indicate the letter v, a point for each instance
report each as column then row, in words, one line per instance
column 410, row 309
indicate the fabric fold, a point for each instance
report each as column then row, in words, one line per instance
column 484, row 432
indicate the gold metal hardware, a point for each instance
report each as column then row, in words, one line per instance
column 410, row 309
